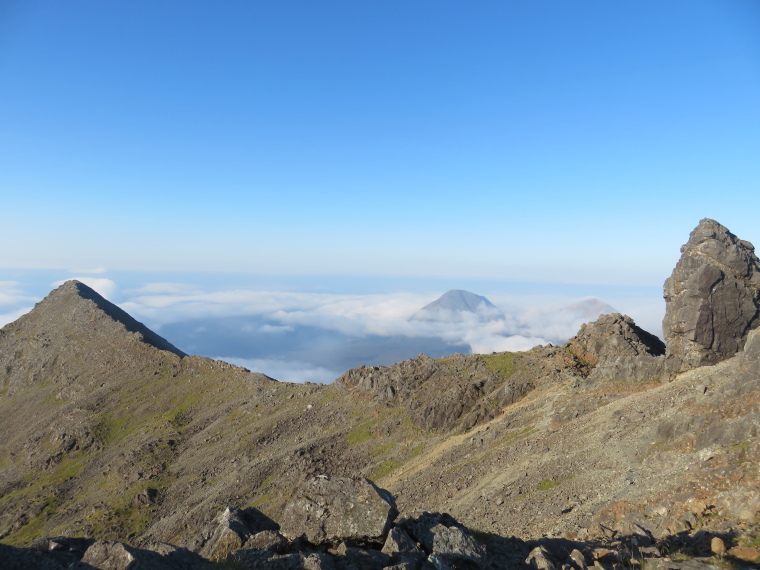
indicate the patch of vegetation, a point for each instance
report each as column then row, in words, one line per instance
column 32, row 530
column 725, row 562
column 384, row 468
column 502, row 363
column 515, row 435
column 547, row 484
column 359, row 434
column 478, row 459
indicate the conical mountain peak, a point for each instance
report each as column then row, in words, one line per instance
column 74, row 310
column 456, row 303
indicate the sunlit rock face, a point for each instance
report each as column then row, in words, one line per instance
column 712, row 298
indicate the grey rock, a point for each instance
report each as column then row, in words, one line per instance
column 420, row 528
column 712, row 298
column 454, row 544
column 577, row 560
column 539, row 559
column 332, row 510
column 399, row 542
column 363, row 559
column 614, row 348
column 112, row 555
column 266, row 540
column 229, row 531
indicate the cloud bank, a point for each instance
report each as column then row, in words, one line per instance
column 305, row 336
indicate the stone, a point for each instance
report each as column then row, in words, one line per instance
column 266, row 540
column 712, row 299
column 399, row 542
column 577, row 560
column 420, row 528
column 112, row 555
column 337, row 509
column 452, row 544
column 229, row 531
column 748, row 553
column 363, row 559
column 717, row 546
column 614, row 348
column 539, row 559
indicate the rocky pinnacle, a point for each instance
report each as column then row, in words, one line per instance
column 712, row 298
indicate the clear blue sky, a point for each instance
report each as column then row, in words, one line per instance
column 528, row 140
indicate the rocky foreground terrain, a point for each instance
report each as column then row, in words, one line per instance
column 614, row 450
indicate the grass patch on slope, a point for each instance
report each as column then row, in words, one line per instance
column 502, row 363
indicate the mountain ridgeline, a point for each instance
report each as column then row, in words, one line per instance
column 613, row 450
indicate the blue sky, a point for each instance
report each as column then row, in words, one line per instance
column 541, row 141
column 282, row 184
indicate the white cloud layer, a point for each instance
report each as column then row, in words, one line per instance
column 286, row 371
column 301, row 336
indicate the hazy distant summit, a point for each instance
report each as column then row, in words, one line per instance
column 458, row 305
column 588, row 309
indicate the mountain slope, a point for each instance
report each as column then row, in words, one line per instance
column 106, row 435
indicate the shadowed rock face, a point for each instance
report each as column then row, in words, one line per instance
column 712, row 298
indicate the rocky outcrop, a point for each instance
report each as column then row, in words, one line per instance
column 712, row 297
column 337, row 509
column 446, row 393
column 614, row 348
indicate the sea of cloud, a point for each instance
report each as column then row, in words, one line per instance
column 316, row 336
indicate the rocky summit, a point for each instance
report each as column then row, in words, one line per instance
column 614, row 450
column 712, row 297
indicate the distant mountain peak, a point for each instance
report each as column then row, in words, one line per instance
column 589, row 308
column 453, row 305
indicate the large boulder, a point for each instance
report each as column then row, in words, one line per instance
column 339, row 509
column 614, row 348
column 712, row 298
column 229, row 531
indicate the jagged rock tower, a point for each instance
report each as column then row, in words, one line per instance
column 712, row 298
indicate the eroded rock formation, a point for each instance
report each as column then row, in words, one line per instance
column 614, row 348
column 712, row 298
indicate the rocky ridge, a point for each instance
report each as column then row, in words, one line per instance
column 109, row 436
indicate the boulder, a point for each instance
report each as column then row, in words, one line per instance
column 453, row 545
column 112, row 555
column 540, row 559
column 447, row 543
column 229, row 531
column 712, row 298
column 614, row 348
column 338, row 509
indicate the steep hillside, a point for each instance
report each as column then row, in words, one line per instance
column 110, row 432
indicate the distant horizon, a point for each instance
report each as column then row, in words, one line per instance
column 296, row 329
column 542, row 141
